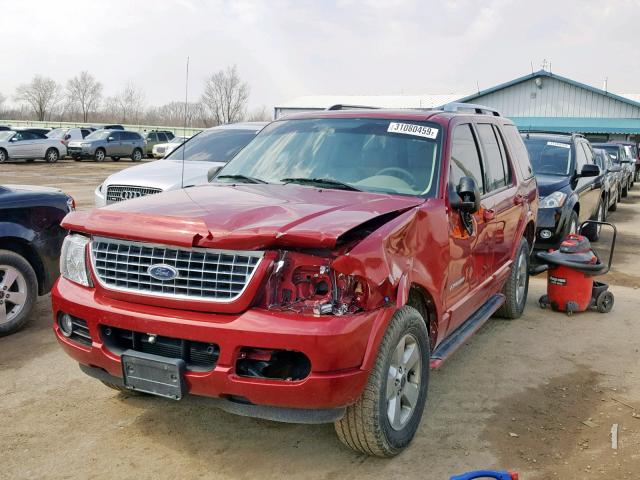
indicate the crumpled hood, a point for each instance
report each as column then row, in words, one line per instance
column 164, row 174
column 240, row 217
column 551, row 183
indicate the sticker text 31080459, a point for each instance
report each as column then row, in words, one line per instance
column 413, row 129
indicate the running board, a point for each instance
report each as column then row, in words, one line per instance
column 464, row 331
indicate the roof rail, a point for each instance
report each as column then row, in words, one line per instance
column 549, row 132
column 458, row 106
column 344, row 106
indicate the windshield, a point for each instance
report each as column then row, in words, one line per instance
column 6, row 135
column 98, row 135
column 376, row 155
column 613, row 151
column 57, row 133
column 549, row 157
column 213, row 145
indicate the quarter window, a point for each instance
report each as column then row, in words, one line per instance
column 465, row 159
column 581, row 157
column 495, row 176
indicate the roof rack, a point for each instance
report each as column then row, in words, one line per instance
column 549, row 132
column 344, row 106
column 480, row 109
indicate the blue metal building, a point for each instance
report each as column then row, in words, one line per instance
column 546, row 101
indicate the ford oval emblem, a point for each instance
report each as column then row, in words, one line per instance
column 162, row 272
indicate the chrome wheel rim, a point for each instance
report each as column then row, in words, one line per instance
column 137, row 156
column 13, row 293
column 403, row 381
column 600, row 218
column 521, row 278
column 52, row 156
column 3, row 156
column 99, row 155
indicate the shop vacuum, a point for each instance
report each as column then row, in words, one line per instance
column 570, row 271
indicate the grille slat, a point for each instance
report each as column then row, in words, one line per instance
column 213, row 275
column 117, row 193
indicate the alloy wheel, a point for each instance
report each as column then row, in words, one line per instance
column 99, row 155
column 52, row 156
column 13, row 293
column 521, row 278
column 3, row 156
column 403, row 381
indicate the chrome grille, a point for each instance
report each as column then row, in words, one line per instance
column 117, row 193
column 202, row 274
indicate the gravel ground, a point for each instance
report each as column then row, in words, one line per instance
column 538, row 395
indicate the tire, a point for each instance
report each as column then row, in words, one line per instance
column 136, row 156
column 115, row 159
column 625, row 190
column 366, row 426
column 100, row 155
column 4, row 156
column 592, row 231
column 572, row 225
column 52, row 155
column 614, row 206
column 18, row 281
column 516, row 288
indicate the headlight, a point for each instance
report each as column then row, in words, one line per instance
column 101, row 188
column 73, row 264
column 554, row 200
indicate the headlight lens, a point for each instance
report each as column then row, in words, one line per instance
column 554, row 200
column 73, row 264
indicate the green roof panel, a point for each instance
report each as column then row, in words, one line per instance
column 579, row 125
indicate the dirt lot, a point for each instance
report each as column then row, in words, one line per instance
column 539, row 395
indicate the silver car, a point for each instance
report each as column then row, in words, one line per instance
column 204, row 154
column 108, row 143
column 29, row 146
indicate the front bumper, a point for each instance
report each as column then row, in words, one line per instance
column 335, row 346
column 552, row 220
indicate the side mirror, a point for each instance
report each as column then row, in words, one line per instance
column 213, row 171
column 589, row 170
column 13, row 139
column 615, row 168
column 468, row 200
column 110, row 139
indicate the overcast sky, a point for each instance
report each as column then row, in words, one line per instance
column 288, row 48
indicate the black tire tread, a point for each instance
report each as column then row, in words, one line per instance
column 509, row 309
column 360, row 428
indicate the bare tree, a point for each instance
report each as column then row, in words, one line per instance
column 259, row 115
column 128, row 105
column 42, row 94
column 2, row 100
column 225, row 96
column 84, row 92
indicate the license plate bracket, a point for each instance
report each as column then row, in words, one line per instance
column 153, row 374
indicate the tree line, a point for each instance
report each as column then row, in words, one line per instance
column 224, row 100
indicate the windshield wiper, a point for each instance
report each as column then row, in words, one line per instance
column 322, row 182
column 242, row 177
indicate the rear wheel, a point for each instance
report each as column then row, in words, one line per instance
column 625, row 190
column 516, row 287
column 51, row 155
column 614, row 206
column 136, row 156
column 385, row 418
column 18, row 291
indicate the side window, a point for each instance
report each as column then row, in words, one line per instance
column 116, row 135
column 465, row 159
column 519, row 150
column 162, row 137
column 152, row 137
column 495, row 176
column 588, row 152
column 85, row 133
column 505, row 155
column 581, row 157
column 19, row 136
column 170, row 136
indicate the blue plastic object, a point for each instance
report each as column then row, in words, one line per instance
column 498, row 475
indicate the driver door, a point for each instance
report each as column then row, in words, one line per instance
column 20, row 145
column 470, row 252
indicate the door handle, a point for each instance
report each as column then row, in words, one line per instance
column 519, row 199
column 488, row 214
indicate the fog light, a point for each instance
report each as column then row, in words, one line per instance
column 66, row 325
column 545, row 234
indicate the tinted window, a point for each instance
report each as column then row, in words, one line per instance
column 213, row 145
column 588, row 152
column 495, row 175
column 85, row 133
column 28, row 136
column 465, row 159
column 152, row 137
column 503, row 153
column 130, row 136
column 170, row 136
column 549, row 156
column 162, row 137
column 519, row 150
column 581, row 157
column 600, row 159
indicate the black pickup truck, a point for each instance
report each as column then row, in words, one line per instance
column 30, row 243
column 570, row 186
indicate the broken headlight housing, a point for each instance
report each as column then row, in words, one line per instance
column 307, row 284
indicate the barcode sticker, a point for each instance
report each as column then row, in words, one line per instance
column 412, row 129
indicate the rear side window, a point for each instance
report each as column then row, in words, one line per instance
column 116, row 135
column 162, row 137
column 465, row 159
column 519, row 150
column 170, row 135
column 581, row 157
column 495, row 174
column 85, row 133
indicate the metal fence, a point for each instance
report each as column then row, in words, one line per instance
column 135, row 128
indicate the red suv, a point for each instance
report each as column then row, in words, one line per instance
column 328, row 266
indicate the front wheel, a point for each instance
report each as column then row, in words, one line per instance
column 18, row 291
column 100, row 155
column 516, row 287
column 385, row 418
column 592, row 230
column 3, row 155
